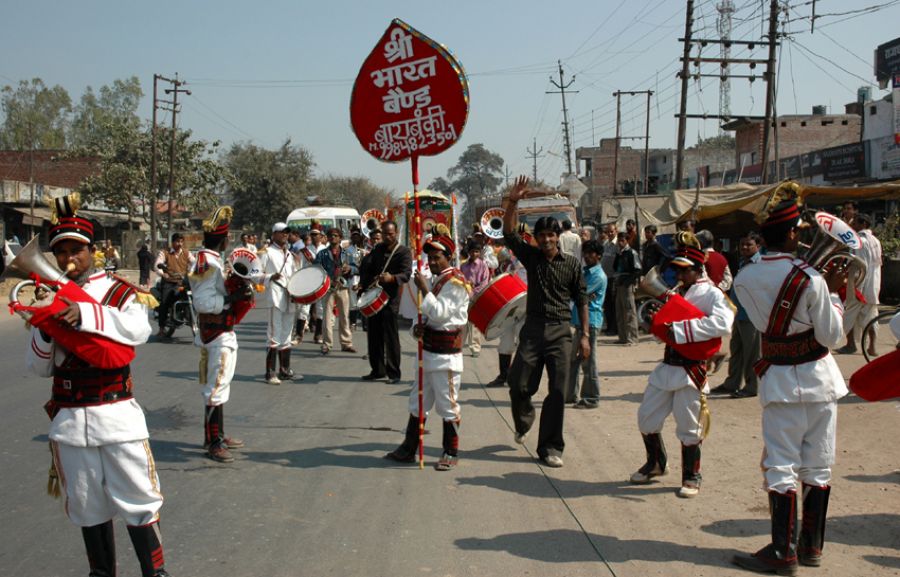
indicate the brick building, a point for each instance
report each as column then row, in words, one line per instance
column 797, row 135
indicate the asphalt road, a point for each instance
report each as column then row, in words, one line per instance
column 311, row 494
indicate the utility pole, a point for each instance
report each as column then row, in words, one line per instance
column 682, row 115
column 174, row 92
column 723, row 74
column 770, row 89
column 615, row 175
column 562, row 90
column 534, row 154
column 723, row 25
column 153, row 187
column 646, row 138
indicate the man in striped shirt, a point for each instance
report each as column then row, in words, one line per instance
column 554, row 281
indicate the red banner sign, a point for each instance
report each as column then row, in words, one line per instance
column 410, row 97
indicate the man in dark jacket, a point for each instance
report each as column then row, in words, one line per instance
column 627, row 271
column 390, row 264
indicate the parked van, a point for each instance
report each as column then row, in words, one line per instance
column 341, row 217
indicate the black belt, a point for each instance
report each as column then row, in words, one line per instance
column 442, row 342
column 91, row 386
column 792, row 349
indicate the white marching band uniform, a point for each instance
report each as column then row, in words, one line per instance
column 445, row 311
column 101, row 451
column 207, row 278
column 799, row 400
column 282, row 310
column 670, row 388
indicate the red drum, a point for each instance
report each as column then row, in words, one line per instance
column 500, row 303
column 676, row 309
column 309, row 285
column 879, row 379
column 372, row 301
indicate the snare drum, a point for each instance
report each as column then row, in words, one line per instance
column 309, row 285
column 501, row 303
column 372, row 301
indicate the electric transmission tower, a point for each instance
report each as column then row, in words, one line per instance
column 726, row 9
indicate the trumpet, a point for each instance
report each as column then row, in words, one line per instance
column 831, row 247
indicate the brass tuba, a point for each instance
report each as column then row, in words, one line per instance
column 492, row 222
column 371, row 220
column 832, row 245
column 30, row 263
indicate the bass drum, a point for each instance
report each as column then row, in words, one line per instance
column 309, row 285
column 372, row 301
column 500, row 304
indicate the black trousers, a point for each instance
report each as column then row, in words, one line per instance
column 541, row 343
column 609, row 310
column 168, row 292
column 384, row 343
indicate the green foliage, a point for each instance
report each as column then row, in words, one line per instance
column 441, row 185
column 477, row 173
column 34, row 116
column 356, row 191
column 889, row 235
column 124, row 149
column 721, row 142
column 94, row 114
column 267, row 184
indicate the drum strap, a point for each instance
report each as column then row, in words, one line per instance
column 784, row 350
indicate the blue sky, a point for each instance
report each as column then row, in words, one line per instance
column 266, row 71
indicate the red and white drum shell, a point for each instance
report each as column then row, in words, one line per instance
column 500, row 303
column 309, row 285
column 372, row 301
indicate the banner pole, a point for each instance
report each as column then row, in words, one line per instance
column 421, row 366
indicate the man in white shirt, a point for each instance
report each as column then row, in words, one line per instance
column 858, row 313
column 569, row 241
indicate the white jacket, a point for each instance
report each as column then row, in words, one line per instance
column 757, row 286
column 102, row 424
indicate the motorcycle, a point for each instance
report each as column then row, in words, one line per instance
column 181, row 311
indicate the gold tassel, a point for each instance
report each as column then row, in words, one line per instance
column 146, row 299
column 204, row 361
column 705, row 417
column 221, row 215
column 53, row 485
column 442, row 229
column 785, row 191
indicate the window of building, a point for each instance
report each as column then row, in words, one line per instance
column 843, row 123
column 873, row 110
column 827, row 122
column 783, row 124
column 803, row 123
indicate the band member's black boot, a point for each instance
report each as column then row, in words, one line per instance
column 147, row 543
column 656, row 460
column 217, row 449
column 812, row 531
column 779, row 556
column 406, row 452
column 100, row 543
column 690, row 471
column 450, row 457
column 504, row 361
column 271, row 366
column 284, row 359
column 317, row 336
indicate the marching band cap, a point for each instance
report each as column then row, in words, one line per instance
column 783, row 207
column 64, row 222
column 279, row 227
column 689, row 256
column 216, row 226
column 441, row 243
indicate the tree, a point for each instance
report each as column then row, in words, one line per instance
column 441, row 185
column 35, row 117
column 722, row 141
column 356, row 191
column 123, row 181
column 115, row 104
column 478, row 172
column 267, row 184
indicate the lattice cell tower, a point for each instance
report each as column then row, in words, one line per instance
column 723, row 24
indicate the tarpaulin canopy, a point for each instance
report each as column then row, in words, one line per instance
column 713, row 202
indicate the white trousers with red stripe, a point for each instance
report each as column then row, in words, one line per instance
column 441, row 391
column 216, row 371
column 109, row 480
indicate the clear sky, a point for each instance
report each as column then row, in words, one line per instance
column 267, row 71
